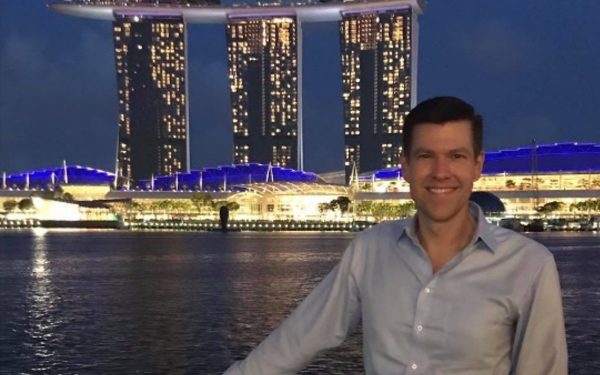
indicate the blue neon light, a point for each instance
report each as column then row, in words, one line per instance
column 553, row 158
column 49, row 178
column 215, row 178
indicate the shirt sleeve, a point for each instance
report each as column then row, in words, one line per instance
column 321, row 321
column 540, row 346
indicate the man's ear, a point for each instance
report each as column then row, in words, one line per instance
column 404, row 165
column 479, row 160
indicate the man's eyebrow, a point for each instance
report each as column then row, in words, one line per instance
column 420, row 149
column 459, row 150
column 451, row 151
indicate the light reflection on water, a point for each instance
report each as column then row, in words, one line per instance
column 123, row 302
column 42, row 305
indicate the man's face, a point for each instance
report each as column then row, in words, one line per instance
column 441, row 169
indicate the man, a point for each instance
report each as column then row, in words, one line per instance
column 441, row 293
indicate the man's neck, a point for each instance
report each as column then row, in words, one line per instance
column 443, row 240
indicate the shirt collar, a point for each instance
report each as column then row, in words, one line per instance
column 483, row 231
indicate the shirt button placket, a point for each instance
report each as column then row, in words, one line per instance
column 418, row 326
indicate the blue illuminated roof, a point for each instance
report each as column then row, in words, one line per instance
column 47, row 178
column 207, row 179
column 226, row 176
column 552, row 158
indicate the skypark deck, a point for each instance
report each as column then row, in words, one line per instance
column 326, row 12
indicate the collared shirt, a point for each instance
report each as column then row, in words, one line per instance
column 495, row 308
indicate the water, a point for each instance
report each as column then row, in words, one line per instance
column 191, row 303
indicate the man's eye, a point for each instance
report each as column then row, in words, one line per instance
column 459, row 156
column 423, row 156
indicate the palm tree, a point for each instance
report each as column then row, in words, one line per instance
column 9, row 205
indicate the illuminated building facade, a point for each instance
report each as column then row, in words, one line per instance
column 152, row 89
column 524, row 178
column 264, row 82
column 378, row 85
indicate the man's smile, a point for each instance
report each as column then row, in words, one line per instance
column 440, row 190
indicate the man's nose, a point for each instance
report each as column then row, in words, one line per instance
column 440, row 168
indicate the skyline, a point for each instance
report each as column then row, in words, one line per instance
column 498, row 59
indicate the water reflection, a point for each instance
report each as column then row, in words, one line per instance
column 42, row 301
column 153, row 303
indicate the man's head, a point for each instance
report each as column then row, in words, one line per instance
column 440, row 110
column 442, row 157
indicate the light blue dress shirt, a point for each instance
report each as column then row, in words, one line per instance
column 495, row 308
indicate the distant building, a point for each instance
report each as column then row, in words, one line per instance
column 560, row 179
column 263, row 75
column 379, row 80
column 152, row 89
column 524, row 178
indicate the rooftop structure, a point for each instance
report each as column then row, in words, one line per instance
column 46, row 179
column 196, row 12
column 219, row 178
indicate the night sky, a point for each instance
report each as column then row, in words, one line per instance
column 530, row 67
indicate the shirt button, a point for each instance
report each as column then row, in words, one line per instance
column 419, row 328
column 414, row 366
column 427, row 290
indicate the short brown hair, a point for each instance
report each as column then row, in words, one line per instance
column 440, row 110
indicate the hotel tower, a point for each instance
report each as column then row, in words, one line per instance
column 378, row 85
column 264, row 83
column 152, row 90
column 264, row 48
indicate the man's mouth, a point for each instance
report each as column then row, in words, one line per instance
column 440, row 190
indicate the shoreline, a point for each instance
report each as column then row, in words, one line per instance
column 242, row 226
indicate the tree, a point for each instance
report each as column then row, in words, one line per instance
column 55, row 194
column 25, row 204
column 343, row 203
column 133, row 207
column 588, row 206
column 165, row 205
column 231, row 205
column 324, row 207
column 201, row 200
column 181, row 206
column 550, row 207
column 384, row 210
column 9, row 205
column 405, row 209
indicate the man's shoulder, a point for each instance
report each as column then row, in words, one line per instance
column 383, row 232
column 513, row 242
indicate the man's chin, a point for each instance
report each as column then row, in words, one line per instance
column 439, row 215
